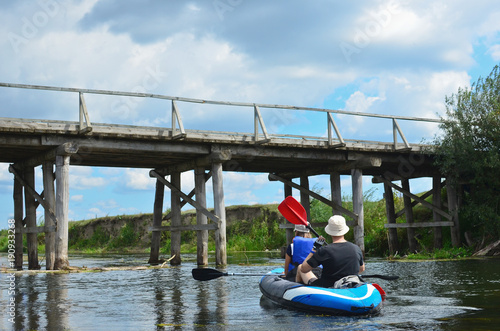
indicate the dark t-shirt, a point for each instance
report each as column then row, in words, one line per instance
column 338, row 260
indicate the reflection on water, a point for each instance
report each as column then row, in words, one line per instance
column 453, row 295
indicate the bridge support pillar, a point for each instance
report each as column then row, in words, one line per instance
column 357, row 203
column 391, row 219
column 412, row 242
column 201, row 219
column 50, row 200
column 154, row 255
column 175, row 205
column 336, row 191
column 436, row 201
column 30, row 207
column 18, row 220
column 453, row 210
column 62, row 204
column 304, row 196
column 220, row 211
column 289, row 232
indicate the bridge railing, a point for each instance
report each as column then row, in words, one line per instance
column 334, row 139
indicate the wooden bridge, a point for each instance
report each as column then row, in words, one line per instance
column 169, row 151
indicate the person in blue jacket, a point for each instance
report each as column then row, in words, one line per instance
column 298, row 250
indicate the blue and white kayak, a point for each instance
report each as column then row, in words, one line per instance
column 363, row 300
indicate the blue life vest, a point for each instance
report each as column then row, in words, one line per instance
column 301, row 247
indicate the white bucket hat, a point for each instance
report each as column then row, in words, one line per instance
column 301, row 228
column 336, row 226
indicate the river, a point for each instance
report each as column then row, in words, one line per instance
column 429, row 295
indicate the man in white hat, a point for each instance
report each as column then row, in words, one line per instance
column 339, row 259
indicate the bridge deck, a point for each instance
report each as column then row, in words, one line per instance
column 112, row 145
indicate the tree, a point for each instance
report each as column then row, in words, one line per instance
column 468, row 152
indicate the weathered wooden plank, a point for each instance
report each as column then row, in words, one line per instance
column 357, row 207
column 417, row 225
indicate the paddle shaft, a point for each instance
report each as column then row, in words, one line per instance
column 208, row 274
column 313, row 231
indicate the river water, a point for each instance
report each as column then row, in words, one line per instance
column 430, row 295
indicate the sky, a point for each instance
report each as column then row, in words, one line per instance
column 385, row 57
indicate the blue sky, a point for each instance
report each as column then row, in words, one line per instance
column 388, row 57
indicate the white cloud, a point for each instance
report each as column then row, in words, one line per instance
column 495, row 52
column 83, row 178
column 5, row 175
column 76, row 198
column 138, row 179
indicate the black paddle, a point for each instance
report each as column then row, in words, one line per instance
column 204, row 274
column 208, row 274
column 379, row 276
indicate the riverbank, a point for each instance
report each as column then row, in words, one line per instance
column 249, row 228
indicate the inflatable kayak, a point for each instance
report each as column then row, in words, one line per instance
column 365, row 299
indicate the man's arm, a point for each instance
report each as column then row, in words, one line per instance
column 305, row 266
